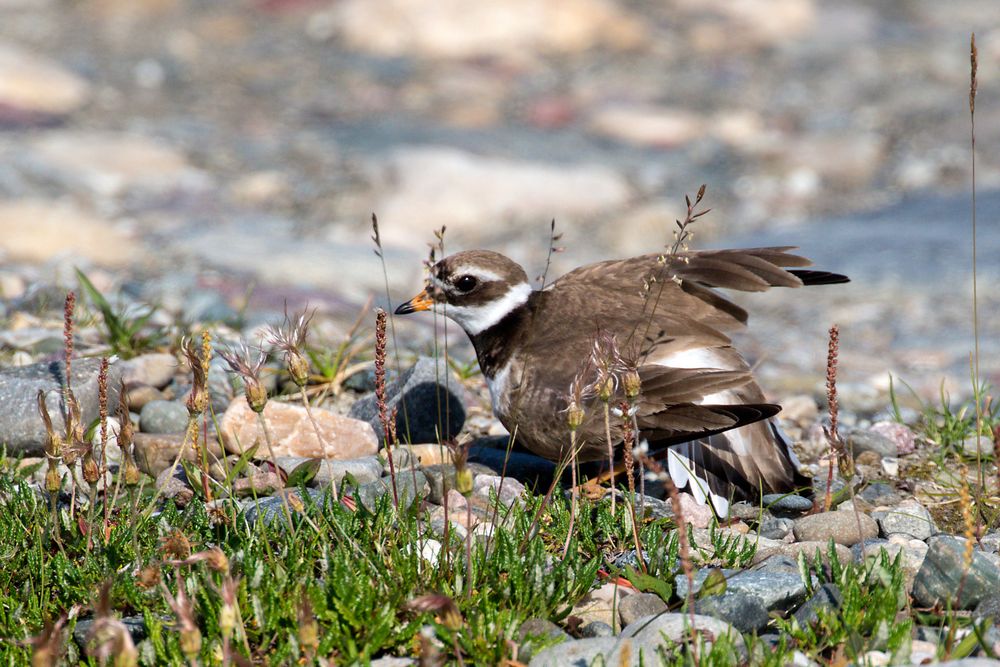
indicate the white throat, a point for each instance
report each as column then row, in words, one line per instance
column 477, row 319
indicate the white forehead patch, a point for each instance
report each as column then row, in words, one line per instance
column 476, row 319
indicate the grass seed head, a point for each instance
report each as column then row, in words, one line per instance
column 290, row 338
column 247, row 364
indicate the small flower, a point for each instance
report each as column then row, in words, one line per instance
column 248, row 364
column 197, row 358
column 606, row 359
column 290, row 338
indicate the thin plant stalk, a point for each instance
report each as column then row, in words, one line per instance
column 833, row 433
column 611, row 452
column 380, row 398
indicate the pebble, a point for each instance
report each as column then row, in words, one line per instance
column 140, row 395
column 257, row 483
column 908, row 517
column 154, row 452
column 176, row 487
column 155, row 370
column 507, row 490
column 163, row 417
column 651, row 634
column 273, row 507
column 35, row 89
column 741, row 610
column 974, row 446
column 21, row 426
column 942, row 570
column 638, row 605
column 827, row 598
column 292, row 432
column 900, row 434
column 601, row 604
column 410, row 486
column 841, row 527
column 536, row 631
column 423, row 399
column 136, row 626
column 776, row 529
column 781, row 504
column 810, row 549
column 579, row 652
column 860, row 441
column 596, row 629
column 775, row 590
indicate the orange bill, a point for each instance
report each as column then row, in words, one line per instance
column 422, row 301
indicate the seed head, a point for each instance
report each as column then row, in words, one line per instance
column 247, row 363
column 290, row 338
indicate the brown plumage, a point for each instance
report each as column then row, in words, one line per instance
column 697, row 394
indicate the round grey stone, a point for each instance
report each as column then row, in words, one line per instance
column 163, row 417
column 637, row 605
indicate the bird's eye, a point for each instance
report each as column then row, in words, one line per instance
column 466, row 283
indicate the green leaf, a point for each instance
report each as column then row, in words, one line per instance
column 241, row 463
column 647, row 583
column 715, row 584
column 303, row 473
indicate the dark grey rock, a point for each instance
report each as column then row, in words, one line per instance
column 176, row 487
column 637, row 605
column 909, row 518
column 332, row 471
column 136, row 626
column 871, row 547
column 20, row 423
column 576, row 653
column 536, row 633
column 879, row 493
column 362, row 381
column 941, row 573
column 989, row 607
column 597, row 629
column 786, row 505
column 861, row 440
column 411, row 485
column 778, row 563
column 654, row 508
column 744, row 612
column 163, row 417
column 440, row 477
column 776, row 590
column 272, row 508
column 776, row 529
column 533, row 471
column 827, row 597
column 430, row 405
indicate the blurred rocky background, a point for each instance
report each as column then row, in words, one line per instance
column 217, row 158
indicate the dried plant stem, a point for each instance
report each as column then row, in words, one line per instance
column 574, row 491
column 274, row 462
column 685, row 551
column 628, row 444
column 611, row 453
column 383, row 409
column 319, row 437
column 833, row 434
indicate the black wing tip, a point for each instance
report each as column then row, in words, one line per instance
column 811, row 277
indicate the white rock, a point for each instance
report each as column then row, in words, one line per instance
column 507, row 29
column 647, row 125
column 32, row 83
column 427, row 187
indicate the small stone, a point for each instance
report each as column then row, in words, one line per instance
column 800, row 409
column 422, row 398
column 36, row 90
column 991, row 541
column 507, row 489
column 601, row 604
column 110, row 164
column 974, row 447
column 139, row 396
column 393, row 661
column 536, row 632
column 639, row 605
column 859, row 441
column 776, row 529
column 827, row 598
column 699, row 516
column 775, row 590
column 410, row 486
column 868, row 459
column 681, row 584
column 943, row 569
column 272, row 508
column 909, row 517
column 743, row 611
column 810, row 549
column 440, row 477
column 136, row 626
column 879, row 493
column 659, row 127
column 841, row 527
column 258, row 483
column 176, row 487
column 577, row 652
column 20, row 423
column 292, row 432
column 155, row 370
column 988, row 608
column 652, row 634
column 163, row 417
column 155, row 452
column 900, row 434
column 786, row 504
column 596, row 629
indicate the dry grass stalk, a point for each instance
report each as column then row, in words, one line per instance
column 109, row 640
column 383, row 409
column 53, row 457
column 553, row 249
column 606, row 360
column 628, row 443
column 290, row 338
column 837, row 448
column 68, row 309
column 574, row 420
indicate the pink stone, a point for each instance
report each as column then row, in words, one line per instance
column 292, row 433
column 898, row 433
